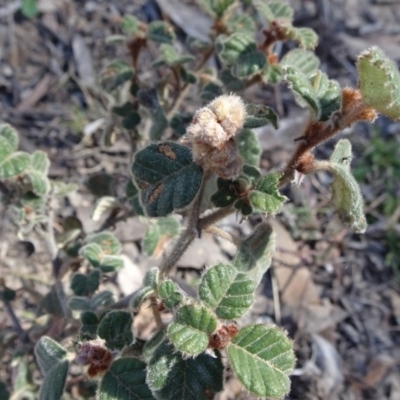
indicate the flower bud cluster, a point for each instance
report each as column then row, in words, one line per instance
column 96, row 356
column 212, row 133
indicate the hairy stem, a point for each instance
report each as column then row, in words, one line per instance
column 214, row 217
column 184, row 91
column 20, row 331
column 188, row 235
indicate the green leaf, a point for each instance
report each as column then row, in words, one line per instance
column 254, row 255
column 172, row 377
column 320, row 93
column 227, row 292
column 8, row 132
column 260, row 115
column 125, row 380
column 304, row 60
column 115, row 74
column 116, row 329
column 39, row 182
column 11, row 163
column 241, row 23
column 151, row 278
column 52, row 387
column 161, row 32
column 272, row 74
column 22, row 378
column 329, row 95
column 61, row 189
column 160, row 123
column 275, row 10
column 249, row 147
column 103, row 298
column 167, row 177
column 305, row 37
column 189, row 332
column 98, row 259
column 231, row 48
column 216, row 8
column 266, row 197
column 240, row 51
column 40, row 162
column 170, row 294
column 162, row 230
column 29, row 8
column 131, row 26
column 100, row 184
column 108, row 243
column 140, row 296
column 301, row 85
column 48, row 353
column 346, row 194
column 131, row 121
column 187, row 76
column 79, row 303
column 123, row 110
column 4, row 393
column 179, row 122
column 54, row 302
column 170, row 56
column 226, row 194
column 89, row 326
column 249, row 64
column 262, row 357
column 85, row 285
column 230, row 82
column 379, row 82
column 210, row 92
column 7, row 294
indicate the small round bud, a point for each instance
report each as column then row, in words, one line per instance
column 96, row 356
column 219, row 121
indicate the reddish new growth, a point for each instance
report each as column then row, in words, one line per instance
column 222, row 337
column 352, row 110
column 96, row 356
column 212, row 133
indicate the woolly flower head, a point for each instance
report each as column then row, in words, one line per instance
column 218, row 121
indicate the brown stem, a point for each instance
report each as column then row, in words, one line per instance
column 182, row 94
column 188, row 235
column 214, row 217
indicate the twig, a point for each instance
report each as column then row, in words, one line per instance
column 214, row 217
column 188, row 235
column 178, row 100
column 20, row 331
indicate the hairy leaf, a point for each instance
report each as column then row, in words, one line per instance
column 116, row 329
column 189, row 332
column 254, row 255
column 167, row 177
column 172, row 377
column 262, row 357
column 379, row 82
column 346, row 195
column 227, row 292
column 48, row 353
column 125, row 380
